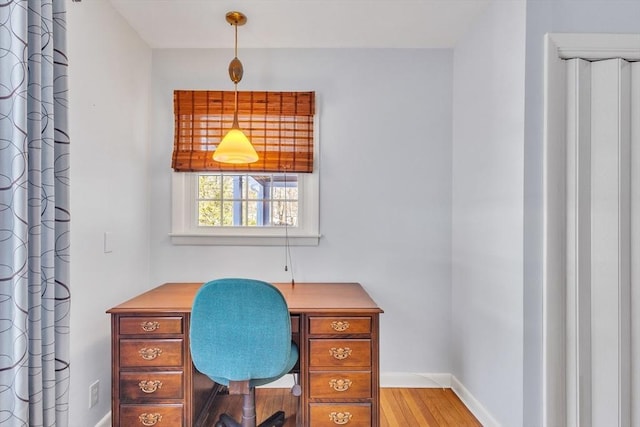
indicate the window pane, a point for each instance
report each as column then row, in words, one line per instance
column 289, row 193
column 285, row 213
column 241, row 189
column 257, row 185
column 209, row 214
column 230, row 217
column 252, row 213
column 285, row 187
column 230, row 185
column 209, row 187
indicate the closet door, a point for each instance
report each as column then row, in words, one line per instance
column 602, row 242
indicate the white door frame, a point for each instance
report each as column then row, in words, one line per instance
column 556, row 323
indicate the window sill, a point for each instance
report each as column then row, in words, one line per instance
column 242, row 240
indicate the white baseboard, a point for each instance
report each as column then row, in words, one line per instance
column 105, row 421
column 414, row 380
column 476, row 408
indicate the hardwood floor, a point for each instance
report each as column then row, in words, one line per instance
column 429, row 407
column 399, row 407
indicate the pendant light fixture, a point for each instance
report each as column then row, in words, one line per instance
column 235, row 147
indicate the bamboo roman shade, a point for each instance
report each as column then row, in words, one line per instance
column 278, row 124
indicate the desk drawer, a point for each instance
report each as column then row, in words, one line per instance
column 340, row 325
column 332, row 414
column 340, row 385
column 339, row 353
column 150, row 325
column 151, row 415
column 158, row 352
column 151, row 385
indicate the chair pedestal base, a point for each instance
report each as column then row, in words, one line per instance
column 249, row 415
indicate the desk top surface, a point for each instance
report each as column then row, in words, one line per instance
column 301, row 298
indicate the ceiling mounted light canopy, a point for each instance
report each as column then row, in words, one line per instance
column 235, row 147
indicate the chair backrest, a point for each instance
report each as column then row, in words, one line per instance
column 240, row 330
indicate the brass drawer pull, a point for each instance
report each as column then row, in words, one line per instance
column 149, row 353
column 340, row 418
column 149, row 386
column 340, row 353
column 340, row 385
column 149, row 326
column 339, row 325
column 150, row 419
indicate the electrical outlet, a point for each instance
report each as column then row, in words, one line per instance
column 94, row 394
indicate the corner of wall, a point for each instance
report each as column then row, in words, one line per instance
column 476, row 408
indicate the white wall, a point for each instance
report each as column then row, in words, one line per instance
column 109, row 109
column 614, row 16
column 385, row 223
column 487, row 210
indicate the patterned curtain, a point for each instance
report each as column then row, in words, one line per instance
column 34, row 214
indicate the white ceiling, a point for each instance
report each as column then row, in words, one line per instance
column 302, row 23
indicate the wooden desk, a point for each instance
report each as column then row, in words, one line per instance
column 335, row 325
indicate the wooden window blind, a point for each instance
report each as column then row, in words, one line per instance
column 278, row 124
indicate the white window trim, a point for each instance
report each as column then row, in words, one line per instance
column 186, row 232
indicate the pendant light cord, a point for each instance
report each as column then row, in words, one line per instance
column 235, row 46
column 235, row 124
column 288, row 261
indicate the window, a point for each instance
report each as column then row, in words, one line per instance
column 230, row 200
column 254, row 204
column 244, row 209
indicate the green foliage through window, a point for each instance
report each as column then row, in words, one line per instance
column 245, row 200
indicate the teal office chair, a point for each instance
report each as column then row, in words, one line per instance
column 240, row 337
